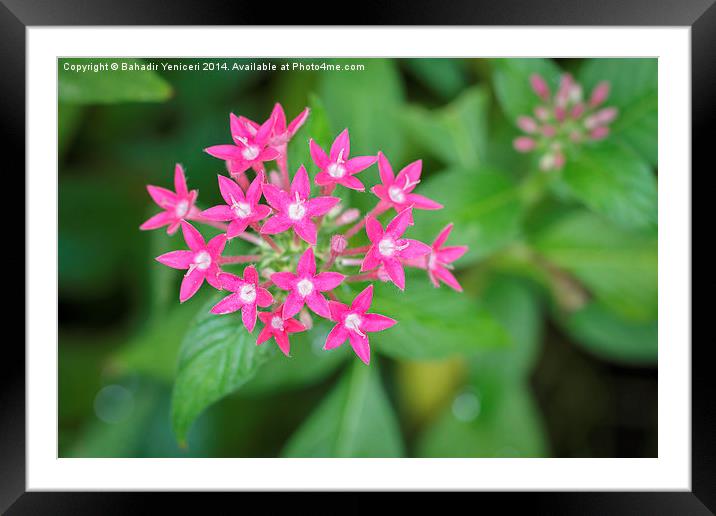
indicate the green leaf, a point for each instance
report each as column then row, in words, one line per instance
column 218, row 355
column 487, row 421
column 367, row 102
column 483, row 204
column 109, row 86
column 515, row 304
column 615, row 182
column 433, row 323
column 309, row 363
column 445, row 77
column 597, row 329
column 354, row 420
column 618, row 266
column 455, row 134
column 634, row 91
column 511, row 80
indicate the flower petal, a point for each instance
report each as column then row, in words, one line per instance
column 294, row 303
column 360, row 163
column 293, row 326
column 452, row 253
column 253, row 193
column 337, row 310
column 158, row 220
column 229, row 304
column 306, row 230
column 341, row 143
column 250, row 275
column 236, row 227
column 352, row 183
column 324, row 178
column 190, row 284
column 284, row 280
column 320, row 205
column 177, row 259
column 276, row 224
column 238, row 127
column 415, row 249
column 412, row 173
column 297, row 122
column 385, row 170
column 395, row 271
column 362, row 301
column 219, row 213
column 300, row 184
column 373, row 229
column 327, row 281
column 230, row 191
column 318, row 155
column 212, row 276
column 306, row 264
column 447, row 278
column 225, row 152
column 400, row 223
column 230, row 281
column 283, row 342
column 276, row 197
column 180, row 181
column 376, row 322
column 216, row 246
column 442, row 236
column 318, row 304
column 248, row 316
column 262, row 135
column 336, row 337
column 163, row 197
column 422, row 202
column 192, row 237
column 372, row 259
column 280, row 118
column 263, row 297
column 361, row 346
column 265, row 334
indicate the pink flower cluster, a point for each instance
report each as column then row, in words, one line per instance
column 564, row 119
column 300, row 255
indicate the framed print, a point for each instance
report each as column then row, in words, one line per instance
column 418, row 258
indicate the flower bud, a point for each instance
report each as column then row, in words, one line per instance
column 524, row 144
column 348, row 216
column 306, row 319
column 338, row 244
column 599, row 94
column 539, row 86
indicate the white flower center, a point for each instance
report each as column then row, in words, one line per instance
column 432, row 261
column 305, row 287
column 386, row 247
column 336, row 170
column 396, row 194
column 352, row 322
column 202, row 260
column 241, row 209
column 296, row 210
column 277, row 323
column 248, row 293
column 181, row 208
column 250, row 152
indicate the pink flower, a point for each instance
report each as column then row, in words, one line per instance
column 295, row 208
column 388, row 247
column 250, row 148
column 177, row 205
column 397, row 191
column 202, row 261
column 282, row 133
column 354, row 324
column 246, row 296
column 278, row 327
column 242, row 210
column 440, row 258
column 336, row 168
column 306, row 286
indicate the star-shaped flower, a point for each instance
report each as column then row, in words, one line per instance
column 250, row 148
column 177, row 205
column 388, row 247
column 283, row 133
column 306, row 286
column 397, row 191
column 246, row 296
column 439, row 260
column 354, row 324
column 336, row 168
column 295, row 208
column 202, row 261
column 278, row 327
column 242, row 210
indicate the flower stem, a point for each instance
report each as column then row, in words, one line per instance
column 282, row 162
column 366, row 276
column 247, row 258
column 222, row 226
column 381, row 207
column 270, row 241
column 242, row 180
column 356, row 250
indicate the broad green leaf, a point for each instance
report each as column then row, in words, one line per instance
column 516, row 306
column 618, row 266
column 615, row 182
column 309, row 363
column 599, row 331
column 483, row 204
column 354, row 420
column 511, row 80
column 634, row 91
column 445, row 77
column 487, row 421
column 108, row 86
column 455, row 134
column 367, row 102
column 433, row 323
column 218, row 355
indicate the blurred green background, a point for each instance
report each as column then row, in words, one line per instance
column 550, row 351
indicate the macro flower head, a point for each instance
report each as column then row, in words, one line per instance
column 295, row 209
column 354, row 324
column 241, row 209
column 397, row 191
column 282, row 132
column 336, row 167
column 202, row 261
column 278, row 327
column 247, row 295
column 177, row 205
column 563, row 120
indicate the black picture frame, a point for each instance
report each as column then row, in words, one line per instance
column 17, row 15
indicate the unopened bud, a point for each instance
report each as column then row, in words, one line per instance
column 306, row 319
column 334, row 211
column 348, row 216
column 338, row 244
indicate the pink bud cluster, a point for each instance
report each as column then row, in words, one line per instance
column 563, row 120
column 300, row 252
